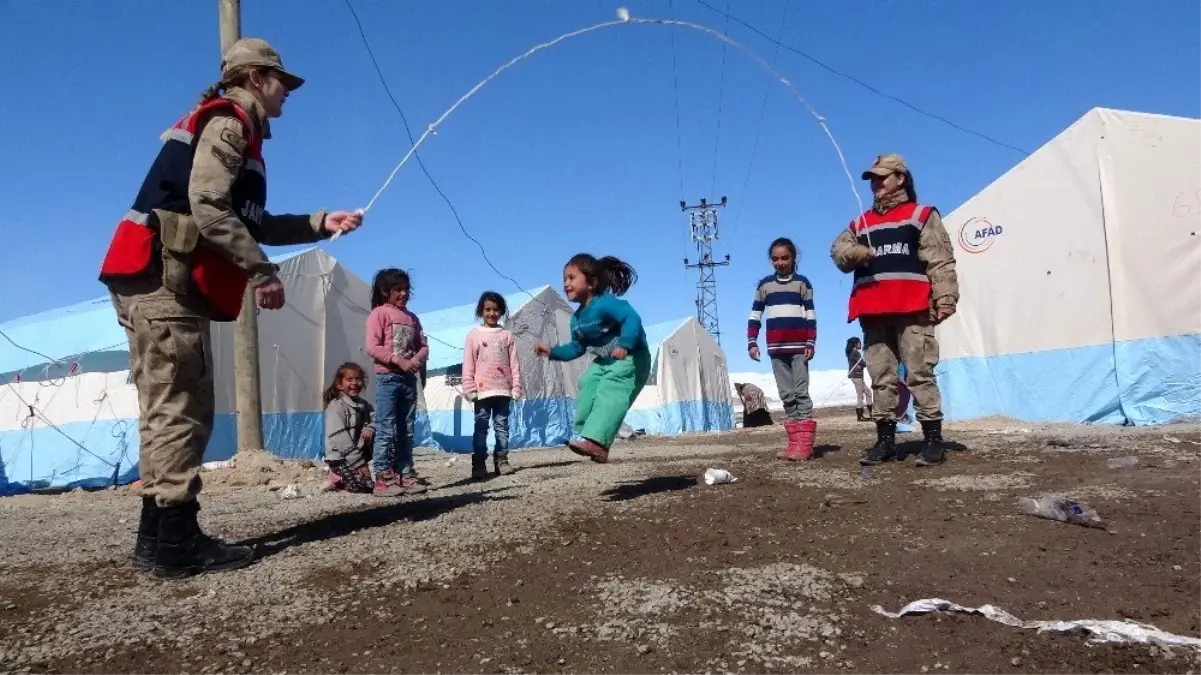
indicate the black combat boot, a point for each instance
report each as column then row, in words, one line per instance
column 183, row 550
column 859, row 415
column 500, row 461
column 479, row 467
column 143, row 548
column 869, row 414
column 933, row 451
column 885, row 449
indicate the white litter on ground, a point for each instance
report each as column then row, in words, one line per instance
column 719, row 477
column 1099, row 631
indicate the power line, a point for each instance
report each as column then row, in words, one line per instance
column 759, row 127
column 675, row 80
column 409, row 133
column 865, row 85
column 721, row 96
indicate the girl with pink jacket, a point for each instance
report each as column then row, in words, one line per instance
column 491, row 380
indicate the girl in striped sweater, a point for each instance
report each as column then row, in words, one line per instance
column 784, row 301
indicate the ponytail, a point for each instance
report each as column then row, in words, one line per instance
column 211, row 94
column 236, row 77
column 910, row 187
column 610, row 274
column 619, row 275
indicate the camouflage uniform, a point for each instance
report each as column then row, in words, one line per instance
column 908, row 337
column 168, row 324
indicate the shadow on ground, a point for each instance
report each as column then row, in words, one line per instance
column 648, row 486
column 339, row 524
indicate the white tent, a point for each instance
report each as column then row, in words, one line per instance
column 543, row 417
column 1080, row 279
column 689, row 388
column 69, row 412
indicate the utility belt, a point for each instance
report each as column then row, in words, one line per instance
column 189, row 268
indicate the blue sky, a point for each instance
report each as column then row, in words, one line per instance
column 575, row 149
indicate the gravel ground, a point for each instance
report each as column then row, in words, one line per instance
column 634, row 566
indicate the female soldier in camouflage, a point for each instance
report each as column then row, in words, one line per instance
column 905, row 285
column 183, row 256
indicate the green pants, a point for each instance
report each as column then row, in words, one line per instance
column 607, row 390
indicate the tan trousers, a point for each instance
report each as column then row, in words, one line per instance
column 863, row 395
column 170, row 358
column 907, row 338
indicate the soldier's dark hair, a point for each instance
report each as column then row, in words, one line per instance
column 386, row 281
column 491, row 296
column 910, row 187
column 235, row 78
column 332, row 392
column 608, row 273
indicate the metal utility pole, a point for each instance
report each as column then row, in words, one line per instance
column 247, row 390
column 703, row 218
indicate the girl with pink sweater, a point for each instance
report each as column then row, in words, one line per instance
column 491, row 379
column 397, row 346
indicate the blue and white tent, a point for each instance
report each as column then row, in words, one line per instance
column 445, row 420
column 689, row 388
column 69, row 411
column 1079, row 283
column 688, row 391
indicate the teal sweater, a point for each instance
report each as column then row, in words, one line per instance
column 604, row 323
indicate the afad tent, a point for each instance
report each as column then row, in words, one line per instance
column 69, row 410
column 445, row 420
column 689, row 389
column 1079, row 280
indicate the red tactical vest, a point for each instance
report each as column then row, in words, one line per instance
column 136, row 249
column 895, row 281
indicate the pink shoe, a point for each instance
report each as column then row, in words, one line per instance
column 411, row 485
column 387, row 484
column 590, row 449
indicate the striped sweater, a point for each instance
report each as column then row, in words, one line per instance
column 786, row 306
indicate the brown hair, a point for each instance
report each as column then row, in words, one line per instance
column 910, row 188
column 236, row 77
column 608, row 273
column 332, row 392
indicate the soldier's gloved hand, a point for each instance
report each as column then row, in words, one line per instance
column 860, row 255
column 271, row 294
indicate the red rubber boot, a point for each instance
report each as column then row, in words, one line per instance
column 791, row 451
column 806, row 431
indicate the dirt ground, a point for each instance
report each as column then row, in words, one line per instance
column 638, row 565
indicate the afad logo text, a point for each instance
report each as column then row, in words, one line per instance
column 977, row 235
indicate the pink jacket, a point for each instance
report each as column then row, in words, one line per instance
column 490, row 365
column 394, row 337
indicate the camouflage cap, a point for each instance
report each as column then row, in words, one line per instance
column 886, row 165
column 256, row 52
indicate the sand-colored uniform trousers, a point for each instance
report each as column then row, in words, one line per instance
column 607, row 390
column 170, row 358
column 909, row 338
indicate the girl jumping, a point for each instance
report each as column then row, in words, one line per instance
column 348, row 430
column 611, row 330
column 491, row 380
column 398, row 347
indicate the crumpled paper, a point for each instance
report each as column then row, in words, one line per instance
column 1099, row 631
